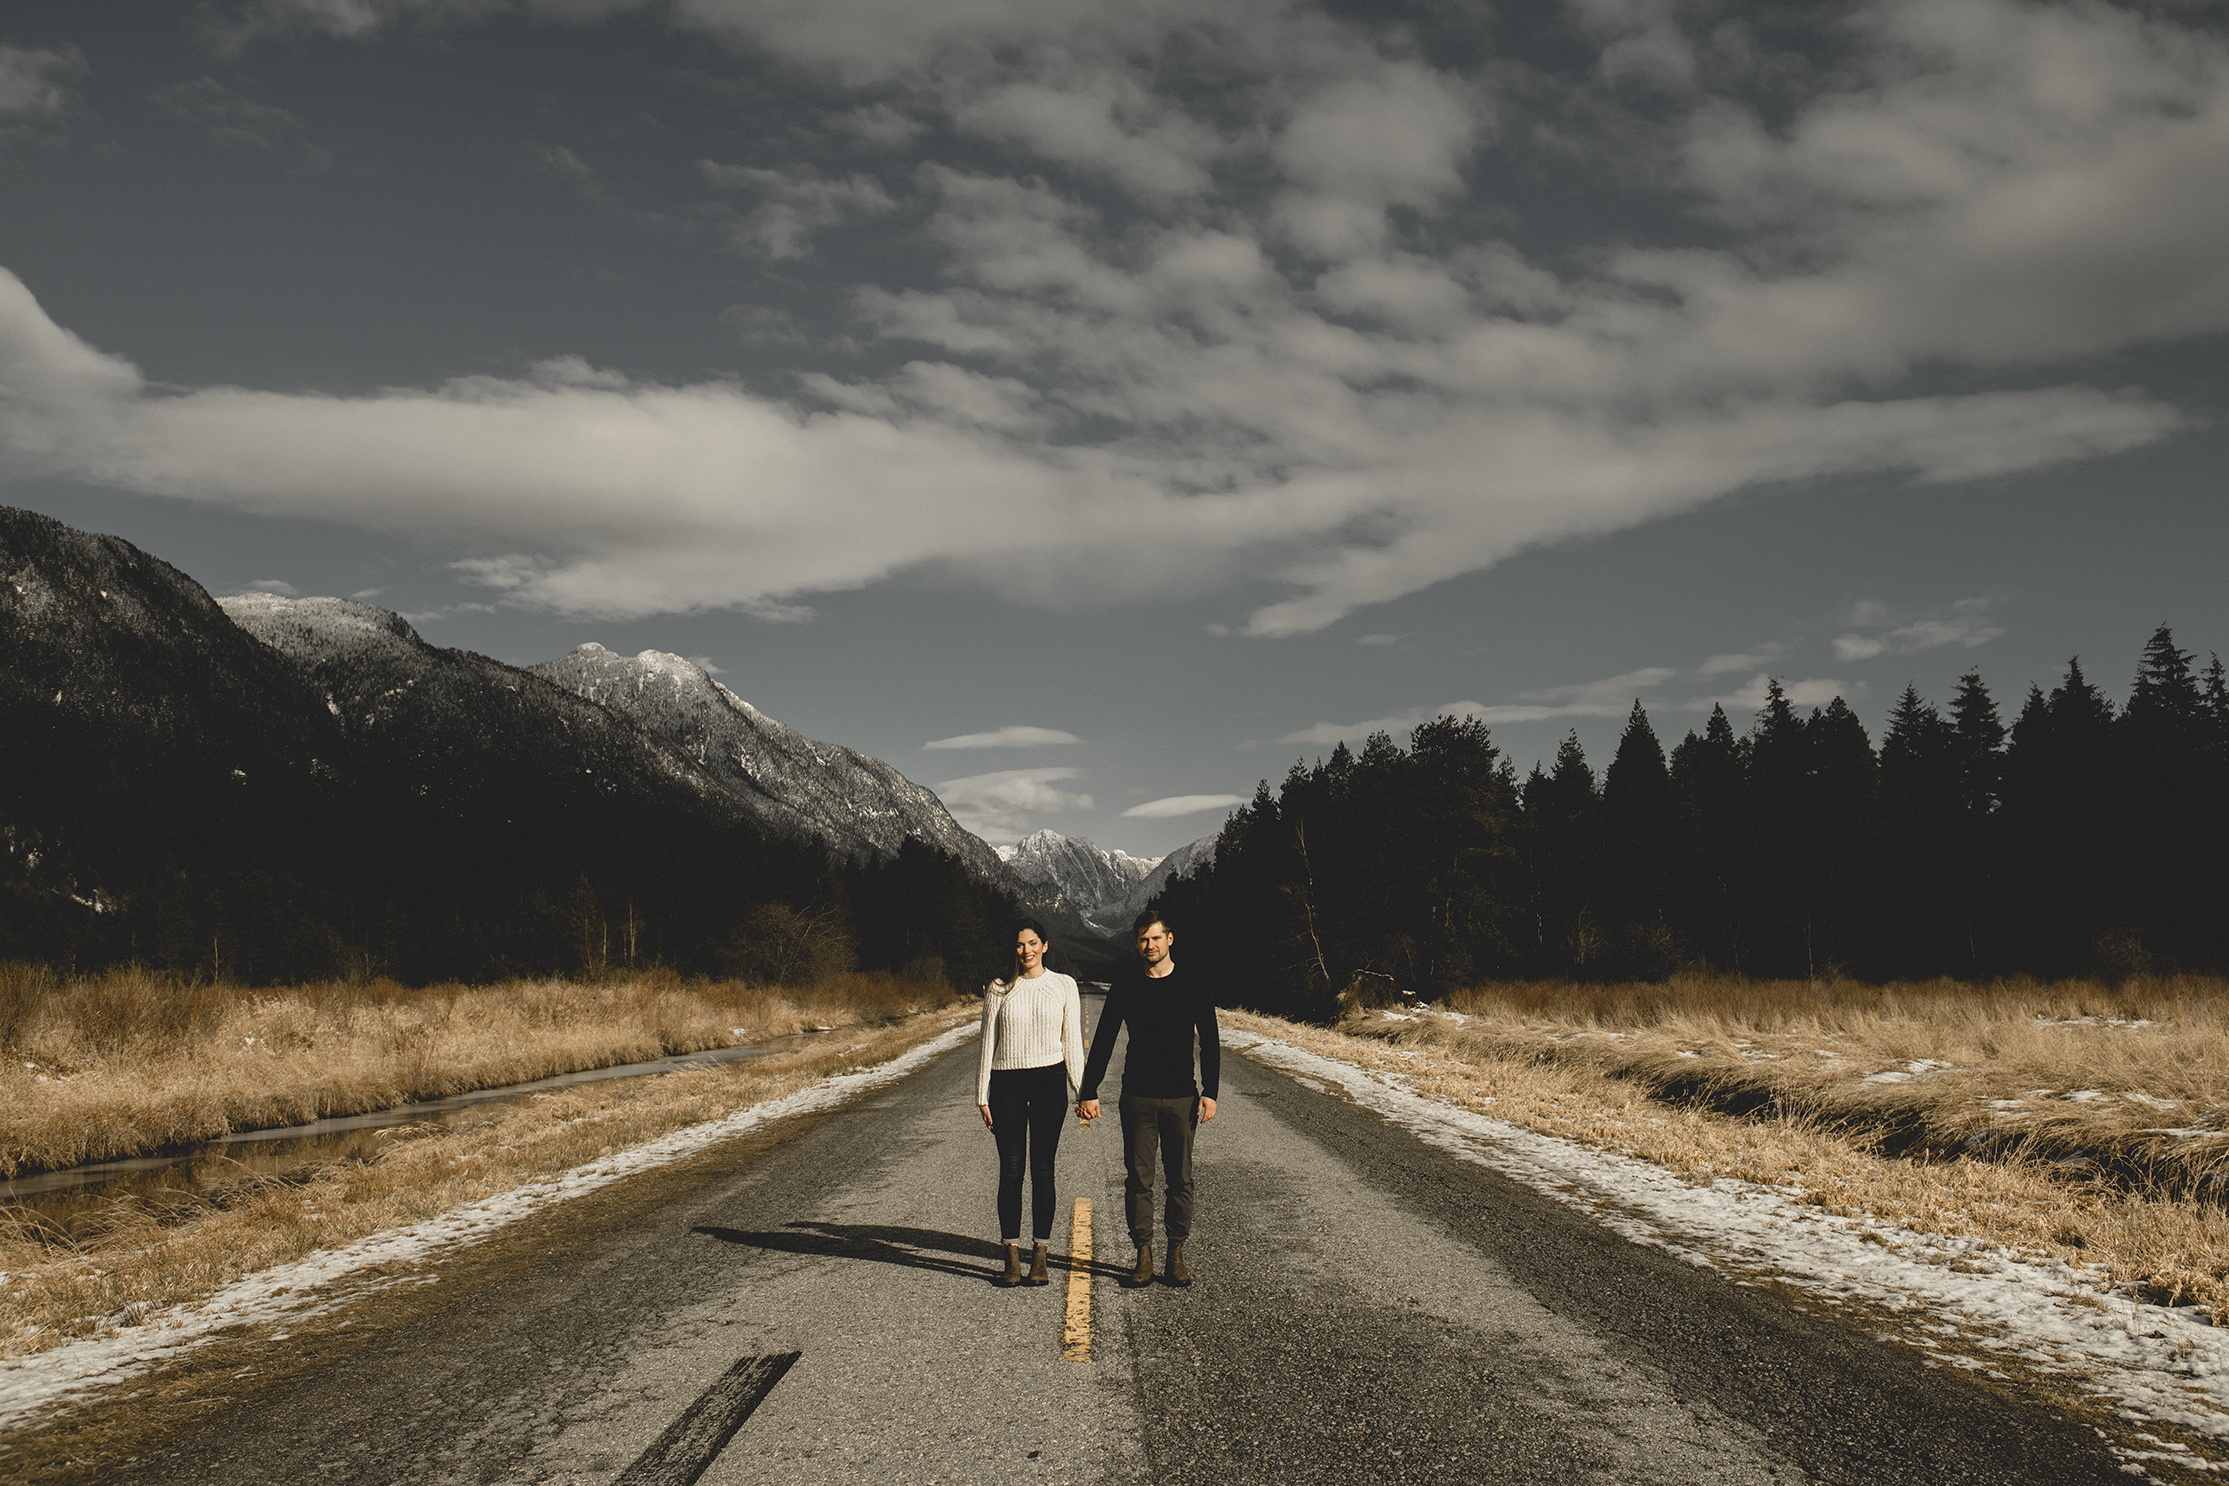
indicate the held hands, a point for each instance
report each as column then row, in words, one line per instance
column 1089, row 1109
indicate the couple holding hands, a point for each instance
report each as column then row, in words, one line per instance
column 1032, row 1064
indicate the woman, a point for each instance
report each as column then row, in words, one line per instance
column 1026, row 1077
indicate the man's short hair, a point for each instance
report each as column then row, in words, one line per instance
column 1147, row 920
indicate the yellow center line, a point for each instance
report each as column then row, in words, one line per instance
column 1075, row 1332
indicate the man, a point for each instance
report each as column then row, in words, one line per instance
column 1160, row 1105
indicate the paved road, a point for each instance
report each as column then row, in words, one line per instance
column 1367, row 1310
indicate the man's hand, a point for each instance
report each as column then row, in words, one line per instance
column 986, row 1115
column 1207, row 1108
column 1088, row 1108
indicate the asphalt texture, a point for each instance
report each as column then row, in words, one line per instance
column 1366, row 1310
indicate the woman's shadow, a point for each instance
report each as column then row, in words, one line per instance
column 909, row 1248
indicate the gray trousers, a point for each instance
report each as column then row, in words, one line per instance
column 1158, row 1128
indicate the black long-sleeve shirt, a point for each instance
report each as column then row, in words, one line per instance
column 1164, row 1016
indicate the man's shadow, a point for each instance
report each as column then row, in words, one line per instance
column 909, row 1248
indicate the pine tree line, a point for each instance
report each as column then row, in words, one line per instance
column 2080, row 839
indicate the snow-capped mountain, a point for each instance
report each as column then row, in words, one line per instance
column 856, row 804
column 1108, row 888
column 1092, row 881
column 850, row 802
column 306, row 787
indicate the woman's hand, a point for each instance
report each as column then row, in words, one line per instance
column 986, row 1115
column 1088, row 1108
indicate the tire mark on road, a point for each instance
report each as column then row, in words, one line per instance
column 691, row 1442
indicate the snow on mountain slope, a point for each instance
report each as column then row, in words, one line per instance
column 1092, row 880
column 856, row 804
column 1108, row 888
column 853, row 803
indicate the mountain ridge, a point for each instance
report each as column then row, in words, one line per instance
column 1106, row 888
column 281, row 788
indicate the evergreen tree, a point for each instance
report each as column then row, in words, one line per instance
column 1639, row 822
column 1461, row 818
column 1563, row 815
column 1979, row 741
column 2059, row 828
column 1976, row 843
column 2164, row 847
column 1781, row 804
column 1712, row 895
column 1845, row 779
column 1922, row 798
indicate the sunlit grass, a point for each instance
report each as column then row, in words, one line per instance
column 145, row 1256
column 2073, row 1119
column 129, row 1062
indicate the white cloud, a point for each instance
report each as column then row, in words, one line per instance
column 878, row 124
column 1174, row 805
column 704, row 664
column 793, row 205
column 230, row 117
column 1737, row 661
column 1968, row 624
column 1009, row 737
column 1151, row 150
column 361, row 594
column 32, row 80
column 271, row 585
column 1288, row 355
column 999, row 806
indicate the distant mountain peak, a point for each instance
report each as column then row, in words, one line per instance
column 1106, row 887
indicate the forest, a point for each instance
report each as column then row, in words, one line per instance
column 2082, row 838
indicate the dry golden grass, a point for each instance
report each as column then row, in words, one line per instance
column 148, row 1257
column 129, row 1062
column 1767, row 1082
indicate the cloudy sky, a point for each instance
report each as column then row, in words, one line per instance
column 1091, row 409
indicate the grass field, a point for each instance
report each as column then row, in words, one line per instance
column 146, row 1255
column 2074, row 1118
column 130, row 1062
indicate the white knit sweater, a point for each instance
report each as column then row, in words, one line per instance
column 1037, row 1021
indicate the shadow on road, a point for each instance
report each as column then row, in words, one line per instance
column 912, row 1248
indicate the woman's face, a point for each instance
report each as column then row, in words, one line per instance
column 1029, row 950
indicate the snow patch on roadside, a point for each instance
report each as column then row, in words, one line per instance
column 2150, row 1364
column 291, row 1293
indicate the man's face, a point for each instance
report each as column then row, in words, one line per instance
column 1155, row 943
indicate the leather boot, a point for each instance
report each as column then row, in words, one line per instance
column 1039, row 1273
column 1142, row 1272
column 1013, row 1275
column 1177, row 1275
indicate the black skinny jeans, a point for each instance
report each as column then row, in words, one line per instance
column 1028, row 1107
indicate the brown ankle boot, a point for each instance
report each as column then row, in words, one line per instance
column 1177, row 1275
column 1142, row 1272
column 1013, row 1275
column 1039, row 1274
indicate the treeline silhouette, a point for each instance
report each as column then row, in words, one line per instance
column 2081, row 838
column 764, row 909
